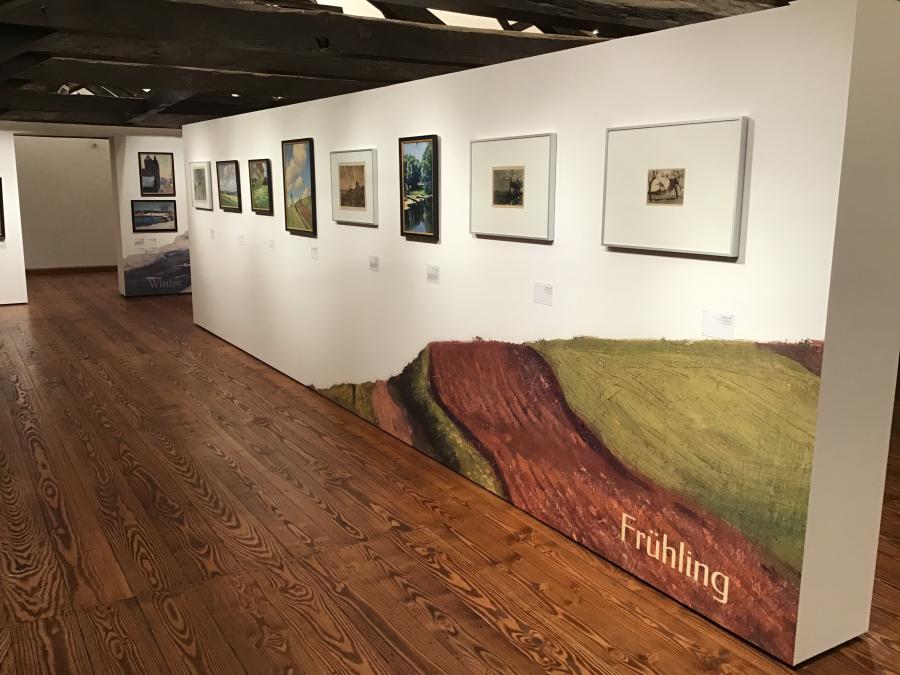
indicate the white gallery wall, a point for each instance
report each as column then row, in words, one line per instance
column 859, row 373
column 12, row 262
column 128, row 188
column 69, row 216
column 359, row 325
column 313, row 309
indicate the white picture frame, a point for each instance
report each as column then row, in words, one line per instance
column 513, row 187
column 359, row 205
column 203, row 172
column 676, row 187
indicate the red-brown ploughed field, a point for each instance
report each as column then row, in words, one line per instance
column 507, row 400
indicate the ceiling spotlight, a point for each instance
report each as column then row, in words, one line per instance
column 236, row 95
column 596, row 31
column 146, row 91
column 277, row 98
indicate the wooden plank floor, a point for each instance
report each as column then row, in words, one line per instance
column 170, row 504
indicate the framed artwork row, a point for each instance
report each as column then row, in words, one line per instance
column 354, row 190
column 228, row 180
column 299, row 177
column 154, row 215
column 674, row 187
column 513, row 186
column 261, row 187
column 157, row 172
column 201, row 187
column 420, row 212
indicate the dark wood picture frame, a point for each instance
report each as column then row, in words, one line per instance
column 268, row 164
column 237, row 180
column 436, row 188
column 2, row 214
column 311, row 158
column 144, row 192
column 173, row 228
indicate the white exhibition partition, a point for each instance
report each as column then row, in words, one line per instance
column 818, row 262
column 12, row 255
column 860, row 368
column 150, row 263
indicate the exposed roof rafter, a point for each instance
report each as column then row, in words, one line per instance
column 275, row 52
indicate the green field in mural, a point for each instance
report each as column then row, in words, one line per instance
column 726, row 423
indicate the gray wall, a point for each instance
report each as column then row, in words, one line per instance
column 68, row 206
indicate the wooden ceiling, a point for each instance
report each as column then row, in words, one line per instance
column 164, row 63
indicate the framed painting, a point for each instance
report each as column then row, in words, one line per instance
column 157, row 170
column 420, row 187
column 513, row 187
column 201, row 186
column 228, row 176
column 677, row 188
column 299, row 165
column 261, row 187
column 354, row 190
column 158, row 215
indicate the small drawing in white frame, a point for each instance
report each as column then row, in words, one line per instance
column 665, row 187
column 508, row 187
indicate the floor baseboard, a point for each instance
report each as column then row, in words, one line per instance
column 71, row 270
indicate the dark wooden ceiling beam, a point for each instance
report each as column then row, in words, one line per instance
column 149, row 76
column 226, row 58
column 612, row 18
column 162, row 121
column 15, row 66
column 15, row 40
column 158, row 102
column 392, row 10
column 158, row 110
column 210, row 24
column 35, row 101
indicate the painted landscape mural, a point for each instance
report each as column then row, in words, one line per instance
column 686, row 463
column 165, row 271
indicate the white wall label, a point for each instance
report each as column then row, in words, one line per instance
column 272, row 245
column 543, row 293
column 139, row 242
column 314, row 252
column 2, row 244
column 374, row 263
column 433, row 274
column 212, row 233
column 242, row 239
column 718, row 325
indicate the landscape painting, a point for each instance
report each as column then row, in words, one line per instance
column 298, row 161
column 352, row 176
column 261, row 186
column 157, row 174
column 686, row 463
column 419, row 185
column 154, row 216
column 508, row 187
column 666, row 186
column 229, row 180
column 200, row 186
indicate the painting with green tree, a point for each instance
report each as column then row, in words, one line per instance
column 419, row 164
column 261, row 186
